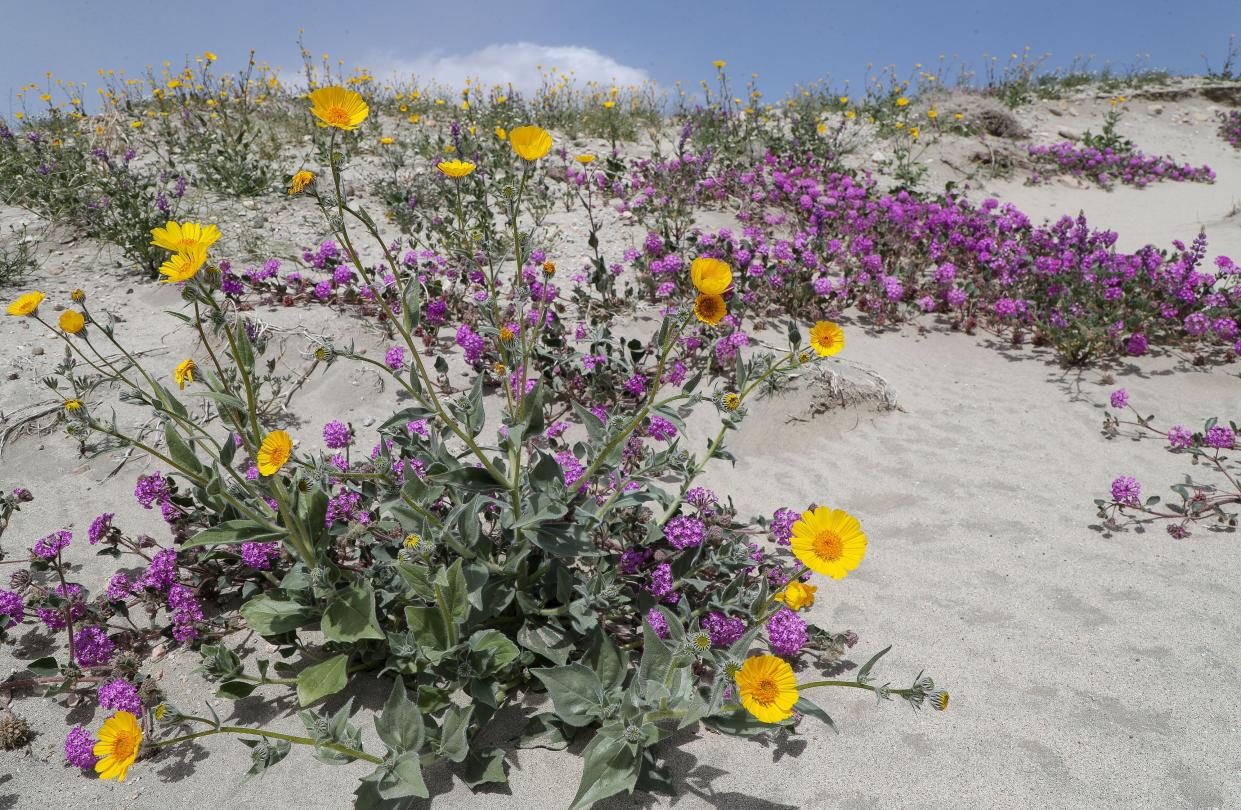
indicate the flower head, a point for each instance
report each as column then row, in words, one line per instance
column 274, row 452
column 584, row 159
column 119, row 740
column 27, row 304
column 185, row 265
column 183, row 237
column 456, row 169
column 829, row 541
column 826, row 338
column 530, row 143
column 338, row 107
column 710, row 309
column 71, row 321
column 710, row 276
column 184, row 372
column 797, row 595
column 300, row 180
column 768, row 688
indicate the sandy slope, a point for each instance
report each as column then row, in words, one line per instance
column 1085, row 670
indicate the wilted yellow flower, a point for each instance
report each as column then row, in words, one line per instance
column 710, row 309
column 72, row 321
column 584, row 159
column 797, row 595
column 939, row 700
column 530, row 143
column 710, row 276
column 184, row 236
column 826, row 338
column 768, row 688
column 549, row 268
column 184, row 372
column 338, row 107
column 274, row 452
column 27, row 304
column 300, row 180
column 119, row 741
column 455, row 169
column 184, row 265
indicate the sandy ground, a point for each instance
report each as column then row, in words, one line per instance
column 1086, row 670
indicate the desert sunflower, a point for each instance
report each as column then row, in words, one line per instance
column 274, row 452
column 184, row 372
column 826, row 338
column 796, row 595
column 829, row 541
column 184, row 265
column 338, row 107
column 456, row 169
column 119, row 740
column 27, row 304
column 768, row 688
column 530, row 143
column 300, row 180
column 72, row 321
column 182, row 237
column 710, row 309
column 710, row 276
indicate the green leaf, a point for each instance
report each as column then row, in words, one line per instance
column 808, row 707
column 491, row 651
column 231, row 532
column 400, row 725
column 179, row 450
column 236, row 690
column 576, row 691
column 548, row 640
column 611, row 765
column 44, row 667
column 350, row 615
column 322, row 680
column 863, row 674
column 268, row 616
column 656, row 657
column 605, row 659
column 484, row 768
column 453, row 593
column 428, row 628
column 454, row 742
column 544, row 731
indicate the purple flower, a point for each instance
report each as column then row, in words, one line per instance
column 701, row 498
column 119, row 587
column 632, row 559
column 661, row 429
column 151, row 489
column 100, row 527
column 161, row 573
column 1179, row 437
column 419, row 427
column 12, row 607
column 1136, row 345
column 50, row 546
column 342, row 274
column 259, row 556
column 471, row 344
column 336, row 435
column 1220, row 437
column 782, row 525
column 661, row 586
column 684, row 532
column 1126, row 490
column 655, row 618
column 120, row 696
column 1120, row 398
column 570, row 467
column 53, row 618
column 723, row 630
column 394, row 358
column 635, row 385
column 786, row 633
column 323, row 290
column 80, row 749
column 186, row 612
column 92, row 646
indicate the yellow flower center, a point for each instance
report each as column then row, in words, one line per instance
column 188, row 243
column 828, row 545
column 766, row 691
column 125, row 745
column 337, row 116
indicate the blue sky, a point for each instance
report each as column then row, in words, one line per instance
column 785, row 42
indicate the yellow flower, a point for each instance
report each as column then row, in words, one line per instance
column 386, row 141
column 932, row 114
column 530, row 143
column 914, row 132
column 844, row 100
column 829, row 542
column 710, row 276
column 456, row 169
column 584, row 159
column 78, row 295
column 797, row 595
column 732, row 401
column 119, row 741
column 710, row 309
column 27, row 304
column 209, row 56
column 411, row 541
column 72, row 321
column 506, row 334
column 274, row 452
column 549, row 268
column 850, row 115
column 413, row 119
column 338, row 107
column 768, row 688
column 73, row 404
column 184, row 372
column 300, row 180
column 939, row 700
column 719, row 64
column 609, row 104
column 185, row 236
column 500, row 133
column 826, row 338
column 184, row 265
column 902, row 101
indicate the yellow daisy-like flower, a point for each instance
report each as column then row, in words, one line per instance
column 732, row 401
column 710, row 276
column 456, row 169
column 584, row 159
column 826, row 338
column 607, row 105
column 386, row 141
column 710, row 309
column 411, row 541
column 768, row 688
column 940, row 701
column 209, row 56
column 183, row 266
column 501, row 134
column 932, row 114
column 797, row 595
column 184, row 372
column 719, row 64
column 829, row 542
column 274, row 452
column 530, row 143
column 27, row 304
column 338, row 107
column 78, row 295
column 300, row 180
column 73, row 404
column 119, row 741
column 549, row 268
column 902, row 102
column 181, row 237
column 72, row 321
column 506, row 334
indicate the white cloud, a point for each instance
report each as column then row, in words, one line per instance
column 515, row 63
